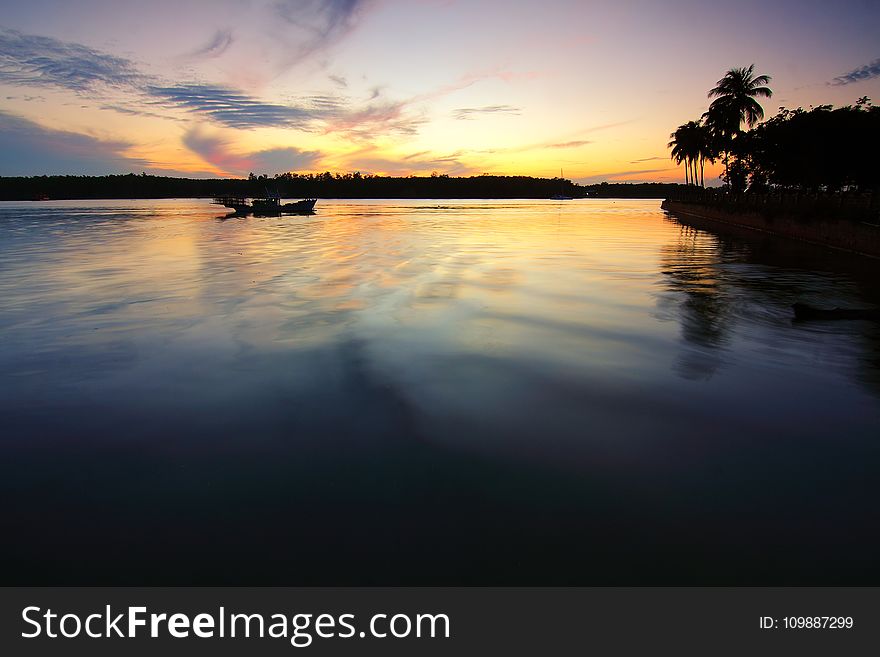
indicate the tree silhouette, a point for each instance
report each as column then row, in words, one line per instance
column 693, row 144
column 684, row 149
column 822, row 148
column 680, row 151
column 735, row 103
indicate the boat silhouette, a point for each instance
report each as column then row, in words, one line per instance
column 269, row 206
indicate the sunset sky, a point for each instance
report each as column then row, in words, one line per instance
column 223, row 88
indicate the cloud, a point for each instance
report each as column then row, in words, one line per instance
column 565, row 144
column 369, row 160
column 132, row 111
column 866, row 72
column 470, row 79
column 413, row 156
column 632, row 175
column 316, row 24
column 380, row 118
column 338, row 80
column 618, row 175
column 220, row 42
column 648, row 159
column 27, row 148
column 569, row 144
column 218, row 150
column 233, row 108
column 27, row 98
column 279, row 160
column 468, row 113
column 32, row 60
column 44, row 61
column 386, row 166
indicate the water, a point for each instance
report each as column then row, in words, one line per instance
column 427, row 392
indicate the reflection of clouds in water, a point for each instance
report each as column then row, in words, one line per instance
column 501, row 278
column 577, row 289
column 552, row 382
column 447, row 289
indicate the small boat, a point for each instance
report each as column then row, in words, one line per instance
column 271, row 206
column 803, row 312
column 561, row 196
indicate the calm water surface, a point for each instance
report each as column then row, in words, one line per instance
column 429, row 392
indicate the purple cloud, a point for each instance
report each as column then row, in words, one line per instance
column 866, row 72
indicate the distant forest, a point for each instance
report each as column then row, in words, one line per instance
column 322, row 185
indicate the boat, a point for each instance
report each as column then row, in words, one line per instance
column 269, row 206
column 561, row 196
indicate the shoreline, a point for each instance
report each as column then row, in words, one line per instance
column 860, row 238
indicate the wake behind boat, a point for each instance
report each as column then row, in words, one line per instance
column 268, row 206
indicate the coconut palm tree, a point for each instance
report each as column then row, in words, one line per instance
column 705, row 147
column 678, row 144
column 735, row 103
column 690, row 144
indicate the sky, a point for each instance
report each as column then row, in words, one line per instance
column 223, row 88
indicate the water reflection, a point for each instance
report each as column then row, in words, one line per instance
column 760, row 276
column 691, row 265
column 516, row 392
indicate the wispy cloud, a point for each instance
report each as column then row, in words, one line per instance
column 32, row 60
column 43, row 61
column 866, row 72
column 370, row 161
column 284, row 159
column 631, row 175
column 468, row 113
column 618, row 175
column 569, row 144
column 576, row 143
column 232, row 108
column 649, row 159
column 219, row 151
column 27, row 98
column 27, row 148
column 383, row 117
column 310, row 26
column 218, row 45
column 470, row 79
column 137, row 111
column 414, row 156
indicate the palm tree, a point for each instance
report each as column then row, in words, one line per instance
column 705, row 147
column 734, row 104
column 691, row 143
column 679, row 147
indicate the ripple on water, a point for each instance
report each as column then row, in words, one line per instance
column 500, row 379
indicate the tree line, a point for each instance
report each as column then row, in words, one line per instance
column 287, row 185
column 820, row 149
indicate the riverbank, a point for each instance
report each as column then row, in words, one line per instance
column 854, row 236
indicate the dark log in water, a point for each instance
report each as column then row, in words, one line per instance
column 805, row 312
